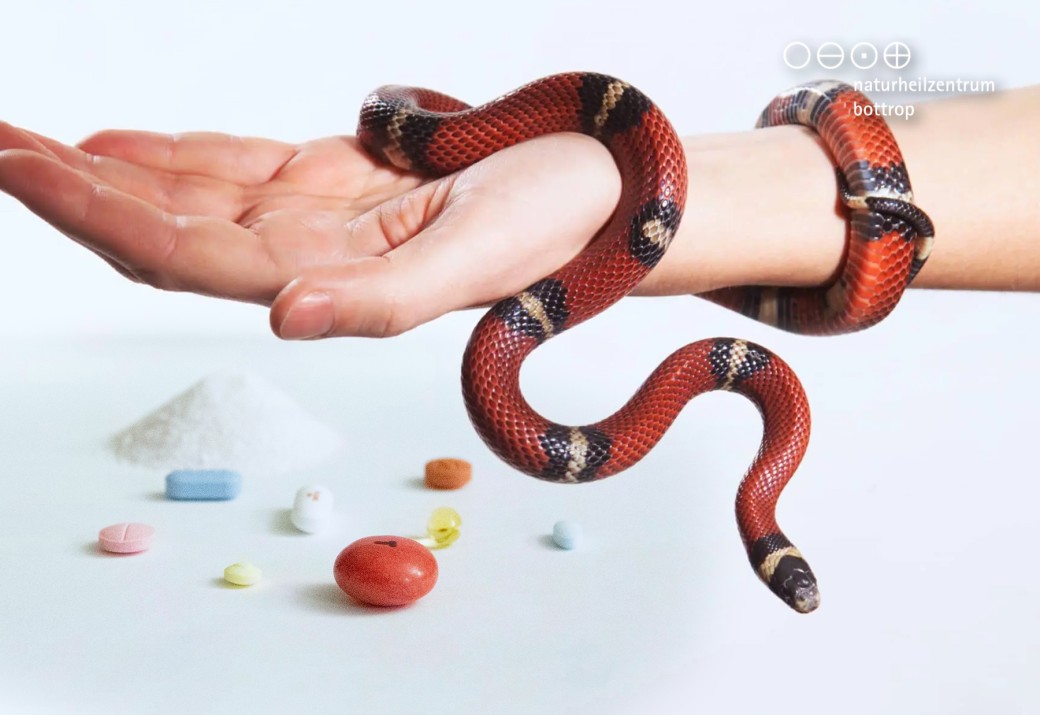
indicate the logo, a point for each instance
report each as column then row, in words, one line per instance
column 897, row 55
column 831, row 55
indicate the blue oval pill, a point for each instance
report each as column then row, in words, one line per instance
column 203, row 484
column 566, row 534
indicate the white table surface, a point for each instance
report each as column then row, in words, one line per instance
column 916, row 506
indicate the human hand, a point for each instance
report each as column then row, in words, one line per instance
column 336, row 243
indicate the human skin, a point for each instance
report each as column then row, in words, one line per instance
column 337, row 244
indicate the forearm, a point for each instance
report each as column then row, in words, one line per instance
column 763, row 205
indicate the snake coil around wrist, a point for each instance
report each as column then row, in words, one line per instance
column 889, row 237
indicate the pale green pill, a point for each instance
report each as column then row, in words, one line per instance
column 242, row 574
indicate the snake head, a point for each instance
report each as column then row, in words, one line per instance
column 794, row 582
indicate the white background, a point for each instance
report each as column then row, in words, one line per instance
column 915, row 504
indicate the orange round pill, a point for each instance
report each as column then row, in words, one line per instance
column 448, row 473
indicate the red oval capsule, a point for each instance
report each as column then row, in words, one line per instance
column 386, row 570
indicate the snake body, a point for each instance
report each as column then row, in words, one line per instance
column 426, row 131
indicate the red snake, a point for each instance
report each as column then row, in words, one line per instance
column 425, row 131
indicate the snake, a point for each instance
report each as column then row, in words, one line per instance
column 889, row 240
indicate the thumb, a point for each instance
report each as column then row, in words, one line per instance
column 383, row 296
column 368, row 297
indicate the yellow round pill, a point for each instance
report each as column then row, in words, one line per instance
column 242, row 574
column 443, row 527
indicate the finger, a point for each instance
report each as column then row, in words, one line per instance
column 241, row 160
column 11, row 137
column 176, row 193
column 396, row 221
column 168, row 251
column 63, row 152
column 324, row 230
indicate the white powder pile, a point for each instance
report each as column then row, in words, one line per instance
column 228, row 420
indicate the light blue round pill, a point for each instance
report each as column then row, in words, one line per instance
column 566, row 534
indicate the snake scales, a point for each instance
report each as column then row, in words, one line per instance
column 890, row 239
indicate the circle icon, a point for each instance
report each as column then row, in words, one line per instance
column 897, row 55
column 830, row 55
column 793, row 59
column 864, row 55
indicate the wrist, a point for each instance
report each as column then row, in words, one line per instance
column 762, row 209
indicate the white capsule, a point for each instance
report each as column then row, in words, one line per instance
column 311, row 508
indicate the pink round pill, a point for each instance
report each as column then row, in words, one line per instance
column 126, row 538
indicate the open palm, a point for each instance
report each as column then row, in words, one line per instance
column 208, row 213
column 319, row 230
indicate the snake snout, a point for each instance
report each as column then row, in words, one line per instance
column 806, row 600
column 794, row 582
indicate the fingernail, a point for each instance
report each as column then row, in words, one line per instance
column 310, row 317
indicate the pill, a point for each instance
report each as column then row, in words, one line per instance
column 311, row 508
column 385, row 570
column 443, row 527
column 126, row 538
column 242, row 574
column 448, row 473
column 203, row 484
column 566, row 534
